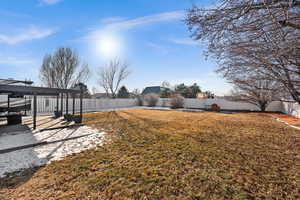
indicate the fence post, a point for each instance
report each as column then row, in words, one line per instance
column 62, row 102
column 34, row 111
column 81, row 96
column 8, row 102
column 25, row 113
column 67, row 103
column 73, row 104
column 57, row 102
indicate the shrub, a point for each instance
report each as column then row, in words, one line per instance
column 151, row 99
column 215, row 107
column 177, row 101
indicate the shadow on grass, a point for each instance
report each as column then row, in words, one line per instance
column 20, row 177
column 15, row 179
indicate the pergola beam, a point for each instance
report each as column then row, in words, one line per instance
column 39, row 91
column 13, row 81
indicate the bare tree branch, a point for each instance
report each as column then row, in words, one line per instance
column 61, row 70
column 257, row 91
column 112, row 75
column 253, row 37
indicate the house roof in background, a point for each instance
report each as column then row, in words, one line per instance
column 153, row 89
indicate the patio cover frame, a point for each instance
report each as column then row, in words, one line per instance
column 13, row 81
column 43, row 91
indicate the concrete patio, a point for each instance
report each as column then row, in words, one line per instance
column 22, row 147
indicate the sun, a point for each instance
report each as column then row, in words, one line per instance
column 108, row 46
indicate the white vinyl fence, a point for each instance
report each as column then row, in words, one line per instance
column 291, row 108
column 47, row 105
column 224, row 104
column 3, row 98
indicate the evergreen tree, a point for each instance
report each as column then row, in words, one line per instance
column 187, row 91
column 123, row 92
column 194, row 90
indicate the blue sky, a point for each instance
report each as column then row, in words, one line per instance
column 148, row 34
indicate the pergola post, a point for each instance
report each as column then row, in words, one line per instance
column 67, row 103
column 8, row 102
column 81, row 96
column 34, row 111
column 57, row 102
column 62, row 103
column 73, row 104
column 25, row 106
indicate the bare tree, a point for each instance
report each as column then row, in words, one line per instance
column 259, row 92
column 62, row 69
column 136, row 92
column 253, row 36
column 112, row 75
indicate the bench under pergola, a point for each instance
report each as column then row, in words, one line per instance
column 22, row 90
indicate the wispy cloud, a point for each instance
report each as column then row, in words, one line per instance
column 132, row 23
column 112, row 28
column 49, row 2
column 116, row 24
column 28, row 34
column 184, row 41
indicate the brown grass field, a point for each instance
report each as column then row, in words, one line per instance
column 173, row 155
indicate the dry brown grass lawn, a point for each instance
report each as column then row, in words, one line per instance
column 173, row 155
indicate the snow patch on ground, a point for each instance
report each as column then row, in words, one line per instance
column 295, row 127
column 41, row 155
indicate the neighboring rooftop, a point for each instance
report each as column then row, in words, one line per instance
column 153, row 89
column 101, row 95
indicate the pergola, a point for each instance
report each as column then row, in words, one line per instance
column 7, row 87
